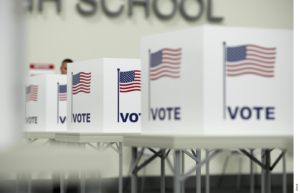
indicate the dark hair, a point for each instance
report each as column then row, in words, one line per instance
column 66, row 60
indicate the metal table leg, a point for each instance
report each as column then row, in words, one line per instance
column 207, row 172
column 198, row 172
column 120, row 167
column 268, row 172
column 162, row 171
column 177, row 172
column 262, row 172
column 134, row 174
column 82, row 174
column 238, row 184
column 182, row 172
column 29, row 182
column 17, row 183
column 99, row 182
column 62, row 184
column 283, row 174
column 251, row 174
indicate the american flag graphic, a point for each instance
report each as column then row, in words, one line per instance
column 165, row 63
column 81, row 83
column 130, row 81
column 250, row 59
column 32, row 93
column 62, row 91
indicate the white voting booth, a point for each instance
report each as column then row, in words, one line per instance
column 105, row 96
column 46, row 103
column 218, row 81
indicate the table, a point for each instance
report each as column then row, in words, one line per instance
column 32, row 136
column 103, row 140
column 34, row 158
column 181, row 142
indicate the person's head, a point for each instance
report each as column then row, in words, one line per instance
column 63, row 67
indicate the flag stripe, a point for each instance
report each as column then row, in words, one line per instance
column 250, row 59
column 255, row 73
column 136, row 86
column 173, row 50
column 248, row 64
column 174, row 63
column 130, row 90
column 81, row 83
column 263, row 57
column 261, row 61
column 83, row 88
column 260, row 47
column 258, row 51
column 174, row 72
column 130, row 84
column 165, row 66
column 249, row 68
column 32, row 93
column 80, row 92
column 165, row 75
column 165, row 63
column 167, row 58
column 129, row 81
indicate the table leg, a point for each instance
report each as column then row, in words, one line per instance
column 17, row 183
column 99, row 173
column 182, row 172
column 238, row 184
column 99, row 182
column 251, row 174
column 120, row 167
column 177, row 172
column 283, row 174
column 262, row 172
column 268, row 172
column 207, row 172
column 29, row 182
column 82, row 187
column 62, row 184
column 134, row 174
column 198, row 172
column 162, row 171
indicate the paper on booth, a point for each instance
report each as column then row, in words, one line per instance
column 105, row 96
column 218, row 81
column 46, row 103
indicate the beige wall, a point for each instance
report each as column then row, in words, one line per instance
column 53, row 37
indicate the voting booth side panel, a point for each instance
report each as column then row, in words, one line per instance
column 122, row 95
column 35, row 103
column 56, row 103
column 172, row 79
column 85, row 96
column 248, row 76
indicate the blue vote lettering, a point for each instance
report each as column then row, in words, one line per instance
column 126, row 117
column 31, row 120
column 166, row 113
column 234, row 114
column 82, row 117
column 133, row 117
column 62, row 120
column 246, row 112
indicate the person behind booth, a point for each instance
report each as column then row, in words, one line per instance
column 64, row 64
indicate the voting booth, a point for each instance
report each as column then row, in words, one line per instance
column 105, row 96
column 46, row 103
column 213, row 80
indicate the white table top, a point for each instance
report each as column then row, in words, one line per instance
column 36, row 158
column 80, row 137
column 203, row 142
column 39, row 134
